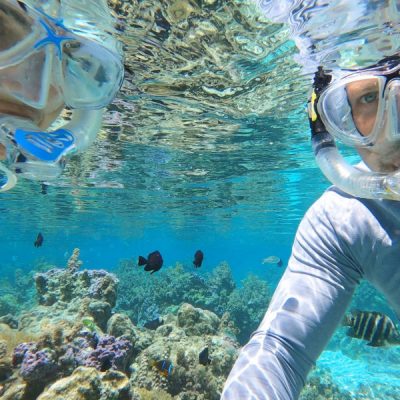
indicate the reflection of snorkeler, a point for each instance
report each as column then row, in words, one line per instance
column 45, row 67
column 352, row 232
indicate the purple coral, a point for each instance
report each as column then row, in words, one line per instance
column 20, row 350
column 103, row 353
column 38, row 365
column 110, row 353
column 90, row 350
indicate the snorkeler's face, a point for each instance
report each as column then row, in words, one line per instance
column 382, row 158
column 14, row 26
column 364, row 97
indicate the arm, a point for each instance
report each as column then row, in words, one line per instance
column 307, row 306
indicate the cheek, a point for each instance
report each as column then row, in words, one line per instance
column 55, row 105
column 55, row 98
column 48, row 117
column 2, row 152
column 364, row 124
column 370, row 159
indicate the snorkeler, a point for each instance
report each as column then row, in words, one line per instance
column 351, row 233
column 44, row 68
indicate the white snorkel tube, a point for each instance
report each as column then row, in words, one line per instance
column 41, row 155
column 350, row 179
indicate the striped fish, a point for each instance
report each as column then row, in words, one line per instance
column 373, row 326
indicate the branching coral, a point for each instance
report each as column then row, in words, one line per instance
column 73, row 263
column 247, row 305
column 144, row 298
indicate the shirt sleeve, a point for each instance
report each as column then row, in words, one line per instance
column 305, row 309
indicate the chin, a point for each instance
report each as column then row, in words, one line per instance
column 383, row 167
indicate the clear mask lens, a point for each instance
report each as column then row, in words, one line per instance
column 352, row 109
column 29, row 81
column 39, row 53
column 393, row 109
column 92, row 75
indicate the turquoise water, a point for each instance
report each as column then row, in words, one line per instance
column 206, row 148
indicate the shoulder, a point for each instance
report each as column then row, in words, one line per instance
column 338, row 208
column 345, row 219
column 333, row 232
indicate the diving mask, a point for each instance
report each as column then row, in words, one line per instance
column 361, row 109
column 43, row 54
column 358, row 107
column 43, row 66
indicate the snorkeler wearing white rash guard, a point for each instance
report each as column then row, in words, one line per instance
column 45, row 67
column 351, row 233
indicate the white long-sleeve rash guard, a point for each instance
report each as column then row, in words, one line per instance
column 340, row 240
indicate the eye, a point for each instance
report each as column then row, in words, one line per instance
column 369, row 97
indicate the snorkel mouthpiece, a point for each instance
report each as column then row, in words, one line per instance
column 41, row 155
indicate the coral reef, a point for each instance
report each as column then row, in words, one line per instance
column 72, row 346
column 319, row 386
column 247, row 305
column 108, row 352
column 88, row 384
column 180, row 340
column 144, row 299
column 68, row 295
column 41, row 360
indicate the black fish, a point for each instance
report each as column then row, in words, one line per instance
column 164, row 367
column 153, row 263
column 373, row 326
column 203, row 357
column 153, row 324
column 198, row 258
column 39, row 240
